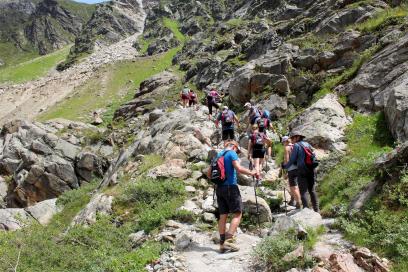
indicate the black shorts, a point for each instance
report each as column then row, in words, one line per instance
column 228, row 134
column 292, row 176
column 229, row 199
column 258, row 153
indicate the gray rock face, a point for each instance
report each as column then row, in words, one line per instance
column 43, row 164
column 248, row 199
column 88, row 165
column 323, row 123
column 396, row 111
column 137, row 238
column 13, row 219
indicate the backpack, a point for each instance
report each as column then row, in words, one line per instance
column 262, row 123
column 258, row 140
column 186, row 91
column 227, row 118
column 311, row 161
column 192, row 96
column 217, row 168
column 265, row 114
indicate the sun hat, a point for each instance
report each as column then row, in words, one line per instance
column 295, row 133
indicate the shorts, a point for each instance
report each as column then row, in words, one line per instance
column 258, row 153
column 192, row 102
column 292, row 176
column 228, row 134
column 185, row 97
column 229, row 199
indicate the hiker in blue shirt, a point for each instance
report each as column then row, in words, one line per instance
column 228, row 119
column 229, row 197
column 305, row 176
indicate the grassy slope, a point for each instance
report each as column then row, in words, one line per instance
column 34, row 68
column 123, row 78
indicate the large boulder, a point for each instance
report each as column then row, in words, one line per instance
column 323, row 123
column 251, row 207
column 89, row 165
column 171, row 169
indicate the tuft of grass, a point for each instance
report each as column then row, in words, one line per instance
column 270, row 251
column 236, row 22
column 34, row 68
column 174, row 26
column 150, row 161
column 382, row 19
column 367, row 138
column 320, row 43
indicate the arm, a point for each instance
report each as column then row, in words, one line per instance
column 293, row 157
column 286, row 154
column 236, row 120
column 243, row 170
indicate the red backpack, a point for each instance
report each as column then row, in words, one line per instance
column 310, row 158
column 218, row 175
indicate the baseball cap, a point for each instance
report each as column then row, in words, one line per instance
column 285, row 139
column 247, row 104
column 225, row 107
column 234, row 143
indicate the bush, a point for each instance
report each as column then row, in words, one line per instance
column 270, row 251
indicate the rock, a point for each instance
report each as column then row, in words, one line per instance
column 154, row 115
column 250, row 207
column 308, row 218
column 137, row 239
column 209, row 217
column 191, row 207
column 96, row 119
column 296, row 254
column 3, row 190
column 99, row 204
column 277, row 105
column 171, row 169
column 88, row 165
column 319, row 269
column 208, row 205
column 323, row 123
column 344, row 263
column 13, row 219
column 396, row 110
column 182, row 241
column 379, row 77
column 173, row 224
column 44, row 211
column 190, row 189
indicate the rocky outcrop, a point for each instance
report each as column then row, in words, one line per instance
column 42, row 165
column 150, row 89
column 396, row 111
column 323, row 123
column 100, row 204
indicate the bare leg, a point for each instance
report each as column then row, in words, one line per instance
column 234, row 223
column 294, row 191
column 257, row 166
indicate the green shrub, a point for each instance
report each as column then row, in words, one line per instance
column 384, row 18
column 270, row 251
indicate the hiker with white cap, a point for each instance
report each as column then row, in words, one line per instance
column 303, row 157
column 292, row 174
column 185, row 96
column 228, row 120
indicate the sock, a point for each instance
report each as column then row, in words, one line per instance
column 222, row 239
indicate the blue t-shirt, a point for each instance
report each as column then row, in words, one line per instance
column 230, row 171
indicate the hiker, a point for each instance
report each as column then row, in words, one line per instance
column 264, row 124
column 185, row 96
column 257, row 147
column 228, row 119
column 253, row 116
column 212, row 98
column 292, row 174
column 228, row 195
column 192, row 99
column 302, row 155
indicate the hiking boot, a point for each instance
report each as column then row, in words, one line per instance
column 228, row 247
column 230, row 238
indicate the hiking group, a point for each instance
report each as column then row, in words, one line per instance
column 299, row 161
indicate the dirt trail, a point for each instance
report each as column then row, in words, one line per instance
column 26, row 101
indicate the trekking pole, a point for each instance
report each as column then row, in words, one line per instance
column 284, row 195
column 256, row 197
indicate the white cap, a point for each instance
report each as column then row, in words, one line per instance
column 225, row 107
column 285, row 139
column 247, row 104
